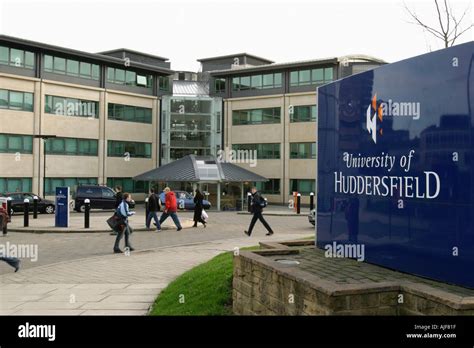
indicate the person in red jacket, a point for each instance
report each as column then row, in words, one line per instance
column 171, row 207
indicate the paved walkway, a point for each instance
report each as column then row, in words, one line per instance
column 110, row 284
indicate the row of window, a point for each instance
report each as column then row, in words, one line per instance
column 71, row 107
column 272, row 186
column 65, row 66
column 13, row 143
column 311, row 76
column 256, row 116
column 272, row 150
column 303, row 150
column 263, row 151
column 128, row 149
column 303, row 186
column 129, row 113
column 261, row 81
column 300, row 113
column 52, row 183
column 15, row 185
column 71, row 67
column 129, row 78
column 303, row 113
column 72, row 147
column 128, row 185
column 15, row 100
column 17, row 58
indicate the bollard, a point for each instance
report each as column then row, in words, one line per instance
column 87, row 211
column 147, row 210
column 9, row 207
column 298, row 203
column 249, row 201
column 311, row 201
column 35, row 207
column 26, row 209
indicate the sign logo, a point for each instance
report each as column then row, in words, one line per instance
column 377, row 110
column 374, row 112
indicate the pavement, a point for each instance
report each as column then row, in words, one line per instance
column 77, row 273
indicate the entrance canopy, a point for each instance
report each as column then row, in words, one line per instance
column 194, row 168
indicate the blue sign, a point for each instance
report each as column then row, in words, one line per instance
column 396, row 166
column 62, row 207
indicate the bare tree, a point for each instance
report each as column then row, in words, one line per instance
column 451, row 26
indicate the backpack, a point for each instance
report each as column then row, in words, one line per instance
column 263, row 202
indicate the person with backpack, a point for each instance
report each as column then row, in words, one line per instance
column 198, row 208
column 257, row 204
column 171, row 207
column 153, row 209
column 118, row 200
column 123, row 213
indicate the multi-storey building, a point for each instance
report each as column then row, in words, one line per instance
column 272, row 108
column 119, row 113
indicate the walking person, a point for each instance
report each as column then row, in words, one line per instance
column 256, row 207
column 171, row 207
column 198, row 207
column 118, row 200
column 153, row 209
column 12, row 261
column 124, row 212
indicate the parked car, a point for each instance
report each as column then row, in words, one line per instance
column 101, row 197
column 185, row 201
column 45, row 206
column 312, row 217
column 4, row 217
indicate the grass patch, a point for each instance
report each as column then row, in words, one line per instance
column 207, row 289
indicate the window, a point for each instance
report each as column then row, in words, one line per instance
column 128, row 148
column 72, row 146
column 313, row 77
column 71, row 67
column 219, row 85
column 257, row 82
column 303, row 186
column 15, row 185
column 71, row 107
column 303, row 150
column 17, row 58
column 15, row 100
column 164, row 83
column 128, row 77
column 12, row 143
column 128, row 185
column 303, row 113
column 129, row 113
column 59, row 65
column 256, row 116
column 263, row 151
column 270, row 187
column 52, row 183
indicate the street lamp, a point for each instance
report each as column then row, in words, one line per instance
column 44, row 137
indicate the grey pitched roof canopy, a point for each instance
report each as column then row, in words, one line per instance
column 194, row 168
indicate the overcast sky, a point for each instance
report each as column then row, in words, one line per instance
column 280, row 30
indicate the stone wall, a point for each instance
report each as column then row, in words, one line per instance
column 262, row 286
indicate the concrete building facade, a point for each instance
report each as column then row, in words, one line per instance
column 112, row 115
